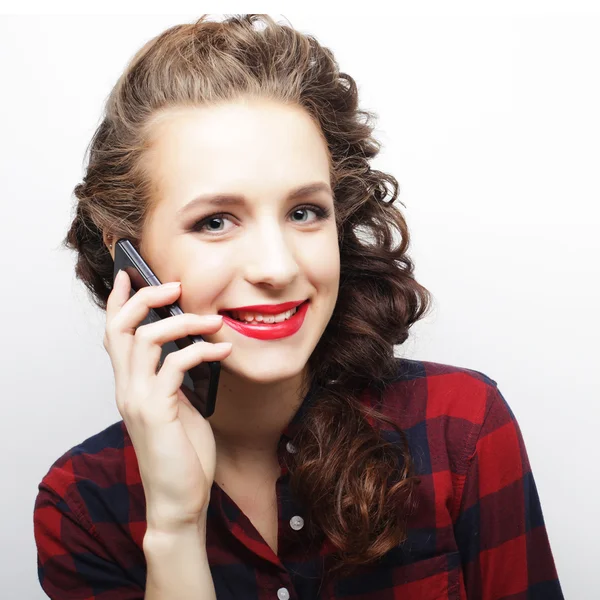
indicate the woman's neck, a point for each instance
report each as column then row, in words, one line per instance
column 249, row 419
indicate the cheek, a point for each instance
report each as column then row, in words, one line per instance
column 203, row 281
column 324, row 264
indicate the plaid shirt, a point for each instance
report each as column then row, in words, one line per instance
column 479, row 531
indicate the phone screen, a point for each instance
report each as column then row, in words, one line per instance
column 199, row 383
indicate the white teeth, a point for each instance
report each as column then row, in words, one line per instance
column 250, row 317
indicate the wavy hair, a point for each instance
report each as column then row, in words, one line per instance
column 358, row 489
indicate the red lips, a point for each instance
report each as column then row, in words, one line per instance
column 265, row 309
column 270, row 331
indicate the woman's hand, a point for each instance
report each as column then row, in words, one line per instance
column 174, row 444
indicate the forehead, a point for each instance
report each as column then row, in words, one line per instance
column 247, row 146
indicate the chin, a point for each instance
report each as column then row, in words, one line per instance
column 263, row 369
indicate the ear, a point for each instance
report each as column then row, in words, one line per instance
column 108, row 238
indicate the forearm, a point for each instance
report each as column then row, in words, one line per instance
column 177, row 566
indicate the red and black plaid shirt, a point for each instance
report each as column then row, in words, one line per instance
column 479, row 531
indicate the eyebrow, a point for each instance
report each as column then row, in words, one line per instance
column 239, row 200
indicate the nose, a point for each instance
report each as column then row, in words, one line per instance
column 271, row 256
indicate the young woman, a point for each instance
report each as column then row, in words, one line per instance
column 234, row 156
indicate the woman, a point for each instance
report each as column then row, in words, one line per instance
column 234, row 156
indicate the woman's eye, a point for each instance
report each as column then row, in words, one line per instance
column 315, row 209
column 211, row 223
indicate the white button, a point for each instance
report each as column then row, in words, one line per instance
column 291, row 448
column 297, row 523
column 283, row 594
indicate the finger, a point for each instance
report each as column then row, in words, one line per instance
column 122, row 325
column 136, row 308
column 150, row 338
column 119, row 294
column 170, row 378
column 116, row 300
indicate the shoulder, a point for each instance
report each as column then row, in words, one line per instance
column 88, row 519
column 452, row 416
column 424, row 390
column 96, row 480
column 102, row 459
column 442, row 408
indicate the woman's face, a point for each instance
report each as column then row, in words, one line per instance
column 265, row 249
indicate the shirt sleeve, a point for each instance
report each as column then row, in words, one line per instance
column 500, row 531
column 73, row 563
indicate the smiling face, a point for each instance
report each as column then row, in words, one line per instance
column 268, row 247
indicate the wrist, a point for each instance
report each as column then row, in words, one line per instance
column 170, row 523
column 158, row 539
column 165, row 533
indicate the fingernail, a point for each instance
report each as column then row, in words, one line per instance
column 213, row 318
column 223, row 345
column 172, row 285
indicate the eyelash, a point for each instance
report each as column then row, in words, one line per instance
column 322, row 213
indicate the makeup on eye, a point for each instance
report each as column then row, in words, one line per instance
column 322, row 213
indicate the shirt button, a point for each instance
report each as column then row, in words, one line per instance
column 283, row 594
column 291, row 448
column 297, row 523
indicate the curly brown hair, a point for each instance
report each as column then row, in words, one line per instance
column 358, row 488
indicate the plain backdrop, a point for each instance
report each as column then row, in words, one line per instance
column 491, row 126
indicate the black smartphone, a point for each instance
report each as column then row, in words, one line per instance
column 199, row 383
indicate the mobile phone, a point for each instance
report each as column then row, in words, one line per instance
column 200, row 383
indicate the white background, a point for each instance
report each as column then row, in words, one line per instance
column 490, row 123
